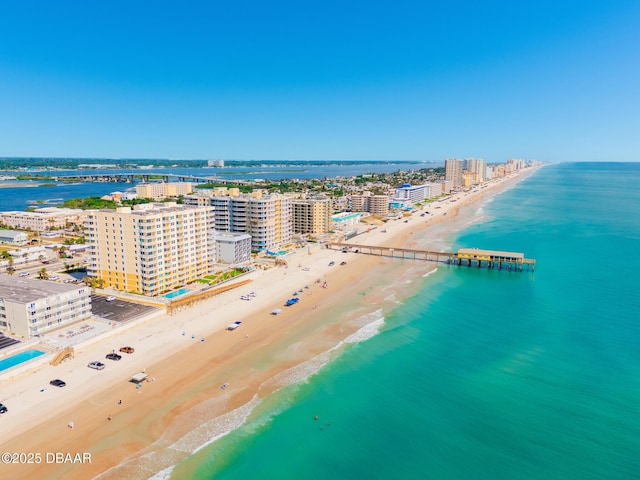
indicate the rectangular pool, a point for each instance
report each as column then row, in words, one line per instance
column 19, row 358
column 182, row 291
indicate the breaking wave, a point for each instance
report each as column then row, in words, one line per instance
column 159, row 459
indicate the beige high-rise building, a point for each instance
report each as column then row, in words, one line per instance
column 152, row 248
column 266, row 217
column 162, row 190
column 453, row 171
column 367, row 202
column 379, row 205
column 312, row 215
column 477, row 166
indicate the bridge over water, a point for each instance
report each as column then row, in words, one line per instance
column 131, row 177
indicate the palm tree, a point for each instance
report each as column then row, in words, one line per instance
column 11, row 270
column 42, row 274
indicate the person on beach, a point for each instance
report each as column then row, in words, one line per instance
column 70, row 425
column 109, row 417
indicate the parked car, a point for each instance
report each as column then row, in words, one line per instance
column 57, row 383
column 113, row 356
column 332, row 263
column 23, row 274
column 3, row 409
column 127, row 350
column 96, row 365
column 111, row 299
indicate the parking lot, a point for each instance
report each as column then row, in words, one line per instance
column 117, row 310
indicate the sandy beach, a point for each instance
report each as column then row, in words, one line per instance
column 120, row 431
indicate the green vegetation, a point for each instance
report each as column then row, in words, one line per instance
column 29, row 176
column 90, row 203
column 137, row 201
column 94, row 282
column 74, row 241
column 222, row 276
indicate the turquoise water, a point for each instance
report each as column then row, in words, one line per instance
column 177, row 293
column 19, row 358
column 483, row 374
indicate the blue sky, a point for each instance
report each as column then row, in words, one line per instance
column 416, row 80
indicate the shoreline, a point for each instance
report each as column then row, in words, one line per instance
column 251, row 365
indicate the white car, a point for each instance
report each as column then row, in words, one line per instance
column 111, row 299
column 23, row 274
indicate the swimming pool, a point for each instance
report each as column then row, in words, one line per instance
column 19, row 358
column 182, row 291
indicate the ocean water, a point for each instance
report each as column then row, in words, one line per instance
column 482, row 374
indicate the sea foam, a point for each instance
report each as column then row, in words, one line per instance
column 163, row 455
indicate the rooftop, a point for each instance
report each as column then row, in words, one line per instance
column 25, row 290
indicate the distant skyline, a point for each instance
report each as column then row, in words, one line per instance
column 403, row 80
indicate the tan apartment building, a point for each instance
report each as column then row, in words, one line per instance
column 152, row 248
column 43, row 219
column 162, row 190
column 374, row 204
column 477, row 166
column 311, row 215
column 453, row 171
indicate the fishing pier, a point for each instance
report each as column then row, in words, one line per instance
column 464, row 257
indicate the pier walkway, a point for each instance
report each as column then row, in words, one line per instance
column 464, row 257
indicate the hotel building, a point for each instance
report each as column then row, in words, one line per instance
column 453, row 171
column 346, row 221
column 233, row 248
column 43, row 219
column 374, row 204
column 31, row 307
column 266, row 217
column 162, row 190
column 412, row 194
column 152, row 248
column 477, row 167
column 311, row 215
